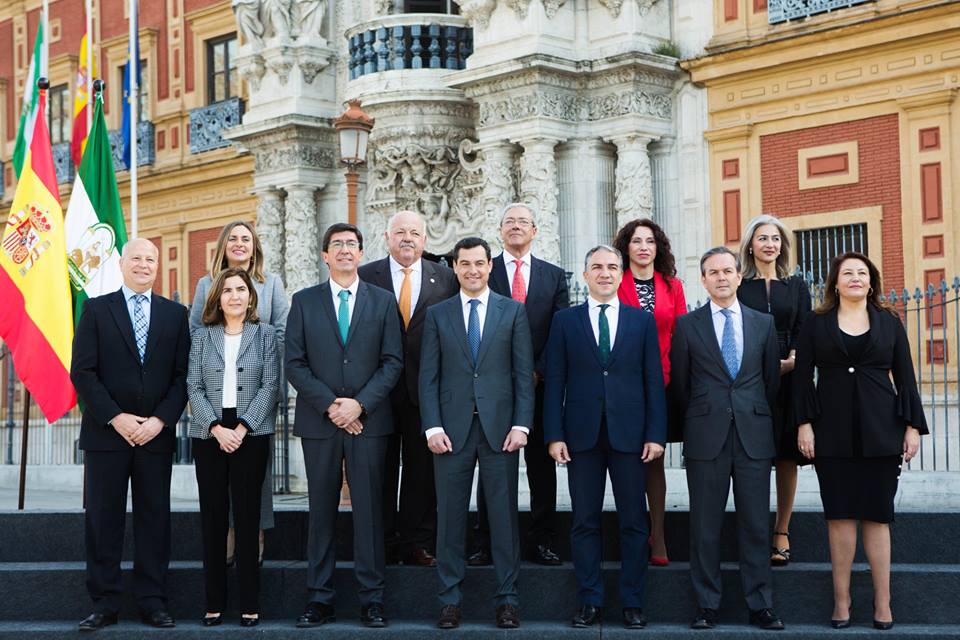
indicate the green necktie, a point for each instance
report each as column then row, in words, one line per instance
column 604, row 341
column 343, row 315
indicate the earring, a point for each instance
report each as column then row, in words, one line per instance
column 870, row 291
column 750, row 250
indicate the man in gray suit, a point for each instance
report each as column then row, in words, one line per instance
column 476, row 404
column 725, row 369
column 343, row 356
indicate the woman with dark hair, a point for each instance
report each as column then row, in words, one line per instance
column 768, row 287
column 232, row 383
column 650, row 282
column 238, row 246
column 855, row 425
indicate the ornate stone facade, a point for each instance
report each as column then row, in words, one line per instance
column 634, row 192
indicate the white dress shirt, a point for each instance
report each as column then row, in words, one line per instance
column 613, row 315
column 416, row 280
column 484, row 298
column 508, row 259
column 719, row 319
column 335, row 289
column 128, row 294
column 231, row 347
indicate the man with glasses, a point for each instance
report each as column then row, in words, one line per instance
column 542, row 288
column 344, row 355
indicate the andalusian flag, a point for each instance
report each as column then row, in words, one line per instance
column 35, row 317
column 28, row 114
column 95, row 228
column 78, row 136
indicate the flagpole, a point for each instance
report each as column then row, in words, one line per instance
column 23, row 446
column 90, row 65
column 134, row 115
column 45, row 58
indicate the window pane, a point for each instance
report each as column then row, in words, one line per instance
column 219, row 88
column 234, row 87
column 219, row 62
column 232, row 52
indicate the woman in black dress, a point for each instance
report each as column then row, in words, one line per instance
column 768, row 287
column 855, row 425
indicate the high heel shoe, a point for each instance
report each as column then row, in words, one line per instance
column 880, row 625
column 249, row 622
column 775, row 551
column 656, row 561
column 845, row 623
column 212, row 621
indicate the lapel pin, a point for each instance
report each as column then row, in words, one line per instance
column 432, row 281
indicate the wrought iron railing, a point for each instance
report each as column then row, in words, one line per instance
column 784, row 10
column 63, row 163
column 208, row 123
column 409, row 41
column 146, row 150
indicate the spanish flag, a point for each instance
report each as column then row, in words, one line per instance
column 81, row 104
column 36, row 319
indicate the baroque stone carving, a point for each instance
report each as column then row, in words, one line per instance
column 633, row 197
column 302, row 249
column 538, row 186
column 520, row 7
column 383, row 7
column 615, row 6
column 496, row 167
column 270, row 230
column 477, row 12
column 248, row 20
column 277, row 18
column 566, row 106
column 282, row 157
column 420, row 176
column 551, row 7
column 308, row 18
column 281, row 62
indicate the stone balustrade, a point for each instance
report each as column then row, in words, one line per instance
column 409, row 41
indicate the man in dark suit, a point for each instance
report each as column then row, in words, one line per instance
column 605, row 410
column 130, row 356
column 416, row 284
column 476, row 404
column 343, row 355
column 542, row 288
column 725, row 370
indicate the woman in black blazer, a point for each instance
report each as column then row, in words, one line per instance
column 855, row 425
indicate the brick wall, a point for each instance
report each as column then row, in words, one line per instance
column 199, row 261
column 879, row 184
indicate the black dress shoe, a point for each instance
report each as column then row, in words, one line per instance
column 586, row 616
column 420, row 558
column 479, row 558
column 842, row 624
column 159, row 618
column 372, row 616
column 543, row 554
column 211, row 621
column 315, row 615
column 882, row 626
column 766, row 619
column 507, row 616
column 705, row 619
column 96, row 621
column 633, row 618
column 249, row 622
column 449, row 617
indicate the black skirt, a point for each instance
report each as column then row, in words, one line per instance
column 858, row 488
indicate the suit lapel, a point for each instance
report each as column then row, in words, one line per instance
column 583, row 312
column 118, row 307
column 428, row 290
column 216, row 337
column 358, row 308
column 491, row 324
column 500, row 284
column 704, row 325
column 455, row 318
column 249, row 333
column 618, row 337
column 833, row 328
column 157, row 326
column 535, row 283
column 750, row 328
column 326, row 303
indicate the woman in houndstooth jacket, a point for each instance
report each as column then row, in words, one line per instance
column 232, row 383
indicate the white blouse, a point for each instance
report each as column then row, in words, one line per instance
column 231, row 347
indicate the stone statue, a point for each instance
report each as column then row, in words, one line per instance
column 308, row 18
column 277, row 17
column 248, row 20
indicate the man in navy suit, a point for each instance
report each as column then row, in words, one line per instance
column 605, row 410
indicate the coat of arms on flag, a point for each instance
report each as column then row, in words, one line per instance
column 94, row 249
column 24, row 239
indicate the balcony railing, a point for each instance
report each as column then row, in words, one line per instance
column 208, row 123
column 146, row 151
column 409, row 41
column 784, row 10
column 63, row 163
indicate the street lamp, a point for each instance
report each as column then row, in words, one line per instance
column 353, row 127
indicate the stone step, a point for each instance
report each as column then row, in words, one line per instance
column 36, row 536
column 401, row 630
column 56, row 591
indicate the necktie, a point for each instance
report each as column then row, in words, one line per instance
column 343, row 315
column 728, row 344
column 140, row 324
column 405, row 297
column 604, row 341
column 519, row 289
column 473, row 330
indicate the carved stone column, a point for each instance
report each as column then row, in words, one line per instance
column 538, row 186
column 586, row 169
column 499, row 180
column 302, row 256
column 270, row 229
column 634, row 192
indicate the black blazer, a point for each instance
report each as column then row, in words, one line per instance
column 885, row 410
column 321, row 368
column 547, row 293
column 109, row 378
column 438, row 283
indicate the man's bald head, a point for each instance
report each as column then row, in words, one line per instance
column 139, row 263
column 406, row 236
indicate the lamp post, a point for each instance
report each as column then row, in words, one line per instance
column 353, row 127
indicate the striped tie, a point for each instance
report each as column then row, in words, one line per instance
column 140, row 324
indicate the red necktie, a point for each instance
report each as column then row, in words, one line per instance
column 519, row 290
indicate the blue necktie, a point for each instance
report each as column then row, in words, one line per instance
column 728, row 344
column 473, row 330
column 343, row 315
column 140, row 324
column 604, row 331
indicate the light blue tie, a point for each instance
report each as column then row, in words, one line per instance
column 343, row 315
column 473, row 330
column 728, row 344
column 140, row 324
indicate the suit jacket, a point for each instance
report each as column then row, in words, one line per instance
column 258, row 378
column 438, row 283
column 580, row 390
column 272, row 306
column 109, row 378
column 704, row 393
column 500, row 386
column 547, row 293
column 669, row 304
column 847, row 386
column 322, row 368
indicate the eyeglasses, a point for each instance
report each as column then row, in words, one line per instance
column 344, row 244
column 521, row 222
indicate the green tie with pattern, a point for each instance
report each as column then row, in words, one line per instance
column 604, row 341
column 343, row 315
